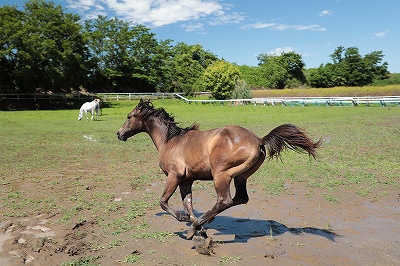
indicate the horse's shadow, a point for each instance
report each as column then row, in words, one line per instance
column 245, row 229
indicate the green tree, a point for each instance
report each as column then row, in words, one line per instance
column 349, row 68
column 285, row 70
column 42, row 48
column 124, row 57
column 275, row 74
column 186, row 67
column 374, row 65
column 10, row 26
column 220, row 79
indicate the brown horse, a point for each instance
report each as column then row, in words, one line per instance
column 222, row 154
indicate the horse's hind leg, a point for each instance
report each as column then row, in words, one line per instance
column 222, row 187
column 224, row 201
column 241, row 196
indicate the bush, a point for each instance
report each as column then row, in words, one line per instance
column 241, row 91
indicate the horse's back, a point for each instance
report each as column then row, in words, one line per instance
column 88, row 106
column 228, row 137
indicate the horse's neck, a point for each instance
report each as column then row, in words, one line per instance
column 157, row 131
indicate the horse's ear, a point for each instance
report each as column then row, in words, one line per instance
column 140, row 104
column 144, row 104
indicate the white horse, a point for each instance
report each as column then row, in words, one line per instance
column 93, row 106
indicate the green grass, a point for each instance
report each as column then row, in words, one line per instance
column 54, row 150
column 229, row 260
column 52, row 163
column 85, row 261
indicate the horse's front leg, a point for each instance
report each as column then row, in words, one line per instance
column 186, row 193
column 169, row 189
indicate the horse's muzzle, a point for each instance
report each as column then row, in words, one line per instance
column 121, row 136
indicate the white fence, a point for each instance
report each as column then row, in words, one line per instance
column 131, row 96
column 277, row 101
column 307, row 101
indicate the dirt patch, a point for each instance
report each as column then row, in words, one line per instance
column 296, row 229
column 37, row 241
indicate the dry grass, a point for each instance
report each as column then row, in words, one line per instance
column 390, row 90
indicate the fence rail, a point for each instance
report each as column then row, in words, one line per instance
column 131, row 96
column 40, row 96
column 276, row 101
column 307, row 101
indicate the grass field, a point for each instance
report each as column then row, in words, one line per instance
column 360, row 151
column 50, row 162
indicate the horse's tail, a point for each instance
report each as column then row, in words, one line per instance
column 288, row 136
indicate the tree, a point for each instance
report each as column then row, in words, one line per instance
column 374, row 65
column 124, row 57
column 275, row 74
column 10, row 25
column 186, row 67
column 270, row 75
column 42, row 48
column 286, row 69
column 220, row 79
column 349, row 68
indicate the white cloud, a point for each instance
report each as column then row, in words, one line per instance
column 224, row 18
column 280, row 50
column 148, row 12
column 381, row 34
column 326, row 12
column 259, row 25
column 193, row 27
column 282, row 27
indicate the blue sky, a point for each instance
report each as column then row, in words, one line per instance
column 239, row 30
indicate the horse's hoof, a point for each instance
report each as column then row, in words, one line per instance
column 203, row 233
column 183, row 218
column 190, row 233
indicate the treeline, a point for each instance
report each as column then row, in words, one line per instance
column 43, row 48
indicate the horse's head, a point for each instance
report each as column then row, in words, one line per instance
column 134, row 121
column 80, row 116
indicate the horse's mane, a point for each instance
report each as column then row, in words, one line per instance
column 147, row 110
